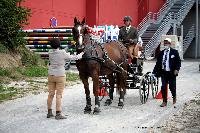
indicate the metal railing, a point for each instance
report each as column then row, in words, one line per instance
column 145, row 23
column 155, row 17
column 166, row 25
column 188, row 38
column 153, row 43
column 184, row 11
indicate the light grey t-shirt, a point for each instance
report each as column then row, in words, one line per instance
column 57, row 59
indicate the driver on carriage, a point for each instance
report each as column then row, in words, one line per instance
column 128, row 35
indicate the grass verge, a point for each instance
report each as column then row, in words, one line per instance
column 35, row 76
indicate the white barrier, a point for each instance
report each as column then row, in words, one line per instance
column 107, row 33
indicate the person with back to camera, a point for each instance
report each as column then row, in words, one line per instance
column 167, row 67
column 56, row 76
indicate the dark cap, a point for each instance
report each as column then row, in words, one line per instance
column 127, row 18
column 55, row 43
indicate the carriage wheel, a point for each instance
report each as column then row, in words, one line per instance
column 67, row 65
column 104, row 88
column 154, row 86
column 144, row 89
column 104, row 91
column 101, row 98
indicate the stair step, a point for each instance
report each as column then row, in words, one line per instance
column 152, row 28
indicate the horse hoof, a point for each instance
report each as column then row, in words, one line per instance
column 87, row 112
column 108, row 102
column 121, row 104
column 87, row 109
column 96, row 110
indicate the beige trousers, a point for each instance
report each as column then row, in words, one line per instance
column 56, row 84
column 133, row 50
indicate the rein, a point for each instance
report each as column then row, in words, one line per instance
column 103, row 59
column 92, row 47
column 94, row 50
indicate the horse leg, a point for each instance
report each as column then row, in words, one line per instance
column 95, row 79
column 111, row 82
column 121, row 88
column 121, row 98
column 87, row 108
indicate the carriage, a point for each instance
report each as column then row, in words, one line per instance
column 146, row 83
column 108, row 66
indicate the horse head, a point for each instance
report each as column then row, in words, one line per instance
column 79, row 30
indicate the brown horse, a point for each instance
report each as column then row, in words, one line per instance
column 100, row 59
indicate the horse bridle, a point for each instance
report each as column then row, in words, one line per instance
column 105, row 57
column 80, row 37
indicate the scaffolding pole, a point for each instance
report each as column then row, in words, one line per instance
column 197, row 28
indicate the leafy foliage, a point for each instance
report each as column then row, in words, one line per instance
column 12, row 19
column 34, row 71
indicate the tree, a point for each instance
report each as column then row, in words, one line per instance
column 12, row 20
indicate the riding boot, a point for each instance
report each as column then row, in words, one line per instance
column 59, row 116
column 50, row 114
column 174, row 100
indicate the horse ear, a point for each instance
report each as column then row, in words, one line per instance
column 83, row 21
column 75, row 21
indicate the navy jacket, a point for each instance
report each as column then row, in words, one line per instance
column 174, row 62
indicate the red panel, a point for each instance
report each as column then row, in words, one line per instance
column 143, row 9
column 113, row 11
column 97, row 12
column 91, row 12
column 63, row 10
column 146, row 6
column 155, row 5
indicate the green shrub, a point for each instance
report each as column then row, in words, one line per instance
column 3, row 49
column 7, row 93
column 72, row 76
column 34, row 71
column 5, row 72
column 29, row 58
column 12, row 19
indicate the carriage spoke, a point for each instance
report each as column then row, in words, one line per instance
column 144, row 89
column 154, row 86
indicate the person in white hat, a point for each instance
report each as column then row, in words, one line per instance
column 167, row 67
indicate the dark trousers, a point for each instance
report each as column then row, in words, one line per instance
column 168, row 78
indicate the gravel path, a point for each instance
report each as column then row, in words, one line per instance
column 186, row 120
column 28, row 114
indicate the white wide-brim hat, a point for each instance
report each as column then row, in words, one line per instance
column 168, row 39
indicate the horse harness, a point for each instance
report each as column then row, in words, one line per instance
column 94, row 55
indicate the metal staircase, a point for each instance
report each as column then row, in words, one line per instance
column 154, row 17
column 188, row 38
column 157, row 26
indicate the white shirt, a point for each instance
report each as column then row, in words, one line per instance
column 140, row 42
column 167, row 61
column 128, row 28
